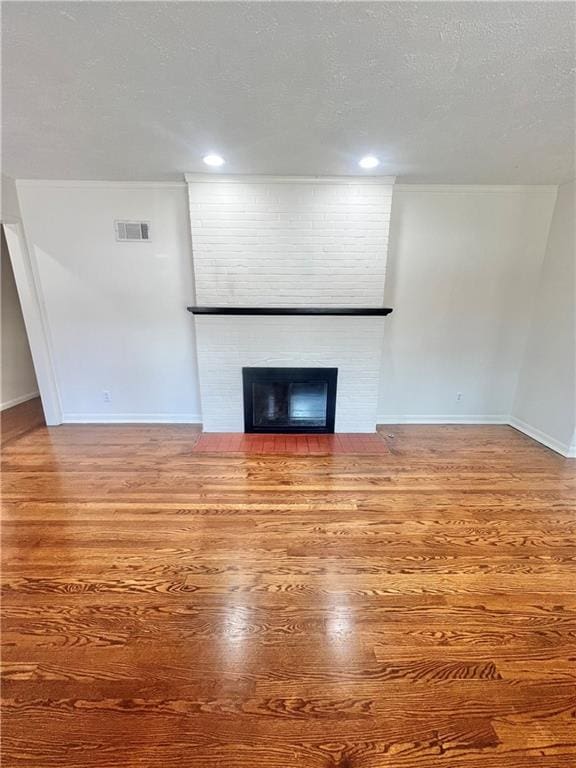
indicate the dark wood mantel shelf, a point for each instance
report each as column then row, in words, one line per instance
column 350, row 311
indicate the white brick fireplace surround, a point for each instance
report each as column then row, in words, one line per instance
column 289, row 242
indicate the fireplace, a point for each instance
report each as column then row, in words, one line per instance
column 289, row 271
column 288, row 400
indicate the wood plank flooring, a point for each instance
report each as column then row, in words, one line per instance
column 21, row 418
column 164, row 607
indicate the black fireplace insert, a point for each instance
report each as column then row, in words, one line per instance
column 288, row 400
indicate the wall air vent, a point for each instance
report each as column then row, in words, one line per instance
column 132, row 231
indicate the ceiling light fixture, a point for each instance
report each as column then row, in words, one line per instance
column 215, row 161
column 368, row 162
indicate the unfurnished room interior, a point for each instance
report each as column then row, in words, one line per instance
column 288, row 384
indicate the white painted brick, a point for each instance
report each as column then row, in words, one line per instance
column 289, row 244
column 226, row 344
column 269, row 226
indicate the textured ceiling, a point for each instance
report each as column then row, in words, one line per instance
column 443, row 92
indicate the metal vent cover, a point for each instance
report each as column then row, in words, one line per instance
column 132, row 231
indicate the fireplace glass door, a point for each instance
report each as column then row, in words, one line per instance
column 289, row 399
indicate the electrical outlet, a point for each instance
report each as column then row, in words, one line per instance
column 107, row 396
column 459, row 395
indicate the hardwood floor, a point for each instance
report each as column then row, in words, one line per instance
column 19, row 419
column 164, row 607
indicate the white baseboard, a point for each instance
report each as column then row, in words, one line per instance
column 131, row 418
column 18, row 400
column 444, row 419
column 564, row 449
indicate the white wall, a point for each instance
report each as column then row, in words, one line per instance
column 545, row 404
column 10, row 206
column 462, row 272
column 462, row 269
column 116, row 312
column 17, row 377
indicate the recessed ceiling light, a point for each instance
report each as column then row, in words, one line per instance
column 369, row 161
column 214, row 160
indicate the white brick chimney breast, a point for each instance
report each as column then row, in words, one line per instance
column 289, row 242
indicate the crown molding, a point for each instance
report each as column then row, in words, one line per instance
column 477, row 188
column 85, row 184
column 263, row 179
column 209, row 178
column 196, row 178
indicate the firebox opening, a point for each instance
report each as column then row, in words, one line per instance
column 289, row 399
